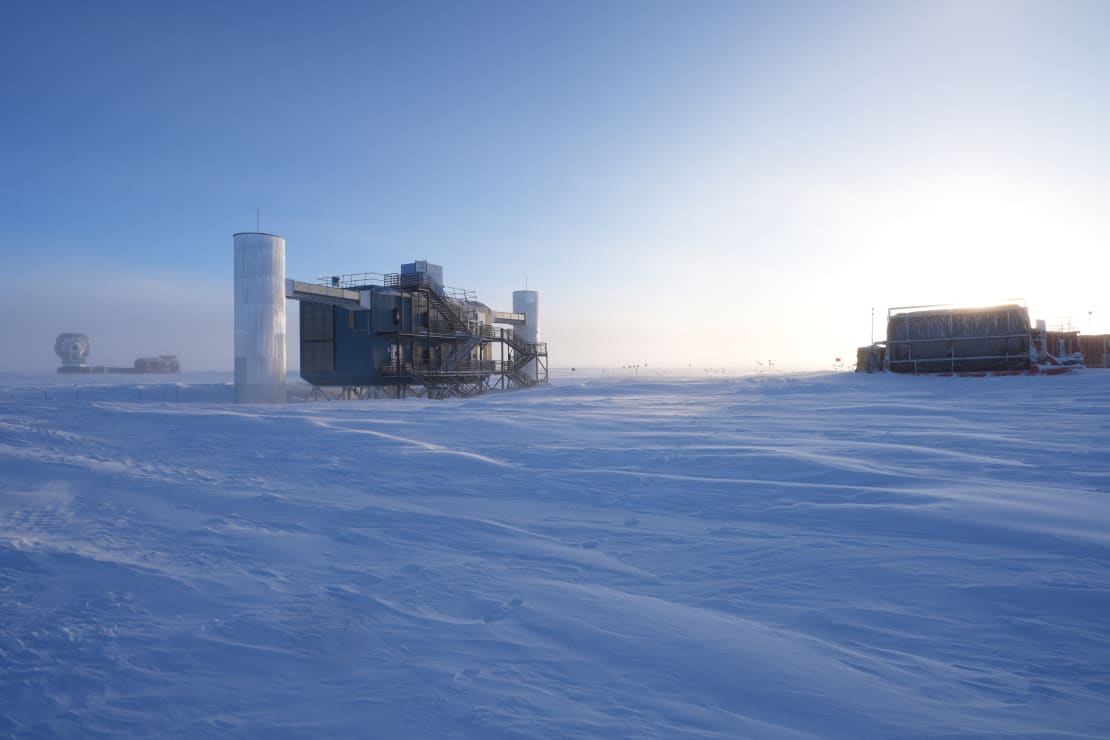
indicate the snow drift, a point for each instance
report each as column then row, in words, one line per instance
column 771, row 556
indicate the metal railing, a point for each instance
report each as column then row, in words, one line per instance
column 898, row 310
column 959, row 338
column 401, row 369
column 409, row 281
column 948, row 364
column 352, row 280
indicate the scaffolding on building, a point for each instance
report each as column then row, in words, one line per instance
column 436, row 342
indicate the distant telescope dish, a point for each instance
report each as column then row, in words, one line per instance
column 72, row 348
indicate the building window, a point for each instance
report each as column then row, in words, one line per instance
column 317, row 337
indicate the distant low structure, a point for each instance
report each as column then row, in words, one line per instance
column 159, row 364
column 73, row 349
column 989, row 340
column 1095, row 349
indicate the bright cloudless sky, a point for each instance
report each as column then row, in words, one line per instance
column 698, row 183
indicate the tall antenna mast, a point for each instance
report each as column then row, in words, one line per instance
column 258, row 219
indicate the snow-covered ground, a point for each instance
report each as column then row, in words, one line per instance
column 771, row 556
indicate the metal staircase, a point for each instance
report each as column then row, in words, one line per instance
column 463, row 351
column 523, row 353
column 460, row 376
column 434, row 293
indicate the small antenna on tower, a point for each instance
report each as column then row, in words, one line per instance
column 526, row 282
column 258, row 219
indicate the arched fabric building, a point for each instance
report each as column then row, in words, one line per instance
column 945, row 339
column 405, row 333
column 995, row 340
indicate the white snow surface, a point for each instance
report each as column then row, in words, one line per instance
column 828, row 555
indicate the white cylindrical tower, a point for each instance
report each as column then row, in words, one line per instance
column 527, row 302
column 259, row 318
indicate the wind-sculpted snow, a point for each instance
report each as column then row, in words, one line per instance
column 770, row 556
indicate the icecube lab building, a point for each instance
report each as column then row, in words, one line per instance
column 372, row 334
column 405, row 333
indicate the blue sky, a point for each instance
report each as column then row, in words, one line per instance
column 684, row 182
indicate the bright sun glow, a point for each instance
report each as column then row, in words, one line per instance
column 978, row 240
